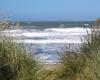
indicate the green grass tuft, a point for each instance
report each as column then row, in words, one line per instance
column 15, row 62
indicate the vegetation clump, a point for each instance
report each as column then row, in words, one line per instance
column 15, row 62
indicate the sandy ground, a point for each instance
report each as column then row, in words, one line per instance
column 51, row 66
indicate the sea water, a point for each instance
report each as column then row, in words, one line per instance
column 46, row 40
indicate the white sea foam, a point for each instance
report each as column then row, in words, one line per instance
column 45, row 34
column 13, row 31
column 58, row 32
column 69, row 30
column 52, row 35
column 48, row 41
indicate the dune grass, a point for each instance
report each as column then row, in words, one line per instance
column 15, row 62
column 84, row 65
column 91, row 50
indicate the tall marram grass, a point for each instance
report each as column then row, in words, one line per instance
column 91, row 50
column 84, row 65
column 15, row 62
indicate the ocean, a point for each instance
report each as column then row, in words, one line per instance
column 46, row 40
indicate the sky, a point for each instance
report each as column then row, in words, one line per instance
column 50, row 10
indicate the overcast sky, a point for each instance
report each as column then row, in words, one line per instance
column 51, row 10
